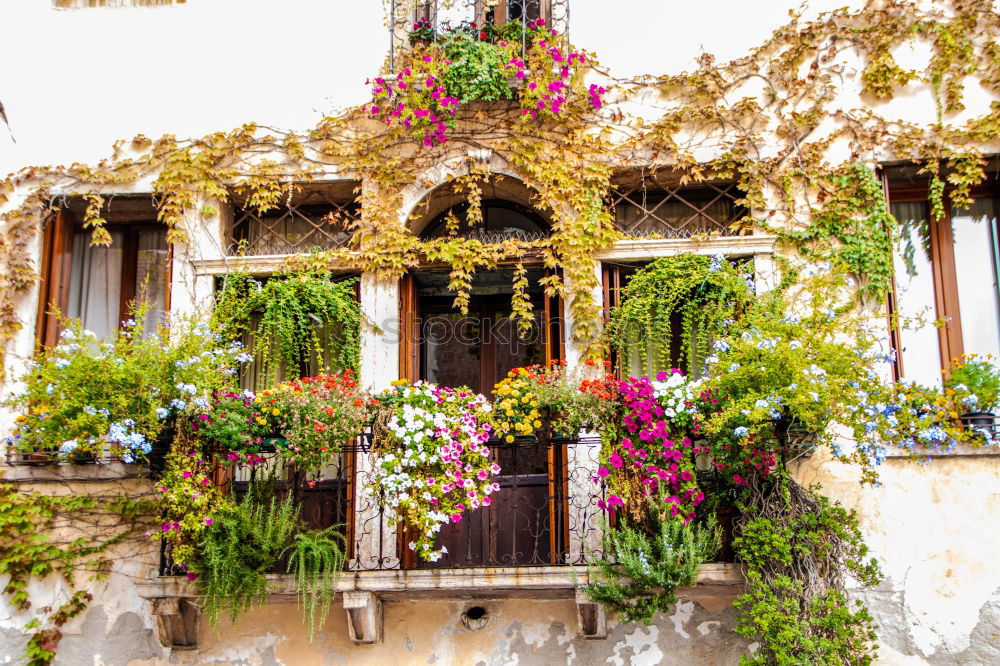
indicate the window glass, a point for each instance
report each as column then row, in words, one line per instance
column 151, row 276
column 975, row 234
column 916, row 298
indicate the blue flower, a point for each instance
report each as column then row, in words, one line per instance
column 87, row 409
column 162, row 413
column 716, row 263
column 190, row 389
column 202, row 403
column 62, row 363
column 244, row 358
column 68, row 446
column 178, row 404
column 741, row 431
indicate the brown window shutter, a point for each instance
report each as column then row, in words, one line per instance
column 57, row 253
column 409, row 322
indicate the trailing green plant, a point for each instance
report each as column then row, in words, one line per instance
column 687, row 297
column 291, row 319
column 798, row 549
column 640, row 570
column 316, row 558
column 244, row 542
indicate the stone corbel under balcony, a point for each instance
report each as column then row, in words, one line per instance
column 362, row 593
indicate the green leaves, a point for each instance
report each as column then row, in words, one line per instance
column 640, row 571
column 317, row 558
column 292, row 319
column 244, row 543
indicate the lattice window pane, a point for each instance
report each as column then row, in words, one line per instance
column 652, row 209
column 315, row 218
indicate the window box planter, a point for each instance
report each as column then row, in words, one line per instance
column 978, row 420
column 32, row 458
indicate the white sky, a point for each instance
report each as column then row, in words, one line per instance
column 73, row 82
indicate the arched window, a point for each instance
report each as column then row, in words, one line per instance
column 502, row 220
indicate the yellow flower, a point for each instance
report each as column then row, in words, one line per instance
column 275, row 412
column 534, row 403
column 538, row 424
column 509, row 439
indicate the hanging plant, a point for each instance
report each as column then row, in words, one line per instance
column 687, row 296
column 291, row 319
column 435, row 464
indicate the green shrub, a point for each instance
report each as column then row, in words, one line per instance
column 641, row 570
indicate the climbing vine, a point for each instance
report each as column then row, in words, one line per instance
column 66, row 536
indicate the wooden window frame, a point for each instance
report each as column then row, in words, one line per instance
column 943, row 267
column 57, row 266
column 410, row 318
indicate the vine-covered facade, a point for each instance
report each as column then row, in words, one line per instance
column 518, row 354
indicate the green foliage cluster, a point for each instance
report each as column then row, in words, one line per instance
column 291, row 319
column 477, row 71
column 640, row 570
column 245, row 542
column 852, row 228
column 317, row 558
column 978, row 377
column 83, row 391
column 798, row 548
column 697, row 294
column 251, row 539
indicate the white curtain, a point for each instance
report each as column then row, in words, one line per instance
column 95, row 284
column 151, row 276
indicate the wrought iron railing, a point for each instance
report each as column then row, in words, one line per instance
column 425, row 20
column 545, row 513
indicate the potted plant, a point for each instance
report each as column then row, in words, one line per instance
column 549, row 402
column 86, row 400
column 422, row 32
column 975, row 385
column 433, row 461
column 315, row 416
column 230, row 423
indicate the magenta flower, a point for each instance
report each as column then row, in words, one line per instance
column 209, row 521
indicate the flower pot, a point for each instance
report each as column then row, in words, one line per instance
column 978, row 420
column 83, row 458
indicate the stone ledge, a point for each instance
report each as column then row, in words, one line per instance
column 715, row 581
column 650, row 248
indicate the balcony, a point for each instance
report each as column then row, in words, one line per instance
column 534, row 541
column 422, row 21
